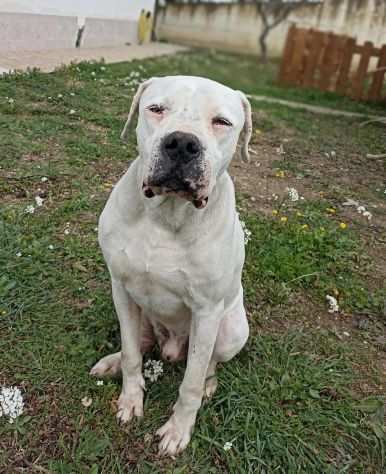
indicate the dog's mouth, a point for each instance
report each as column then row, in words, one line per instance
column 199, row 202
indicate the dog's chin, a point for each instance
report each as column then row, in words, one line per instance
column 199, row 202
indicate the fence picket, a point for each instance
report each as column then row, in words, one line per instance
column 295, row 71
column 312, row 58
column 343, row 76
column 319, row 59
column 327, row 64
column 375, row 91
column 287, row 54
column 358, row 84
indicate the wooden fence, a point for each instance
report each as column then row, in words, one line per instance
column 331, row 62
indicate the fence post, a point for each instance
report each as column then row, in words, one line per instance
column 375, row 91
column 286, row 59
column 312, row 61
column 328, row 61
column 343, row 78
column 295, row 72
column 360, row 76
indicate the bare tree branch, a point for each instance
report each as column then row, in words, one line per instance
column 274, row 12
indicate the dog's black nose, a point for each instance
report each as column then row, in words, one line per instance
column 181, row 146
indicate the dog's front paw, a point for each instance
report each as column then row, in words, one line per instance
column 129, row 406
column 175, row 435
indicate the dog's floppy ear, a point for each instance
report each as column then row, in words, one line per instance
column 246, row 132
column 134, row 107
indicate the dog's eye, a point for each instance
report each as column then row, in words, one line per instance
column 222, row 122
column 156, row 109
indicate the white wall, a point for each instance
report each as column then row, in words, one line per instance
column 236, row 26
column 121, row 9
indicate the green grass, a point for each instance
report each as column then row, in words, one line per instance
column 290, row 402
column 303, row 248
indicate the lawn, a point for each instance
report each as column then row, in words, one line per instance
column 306, row 395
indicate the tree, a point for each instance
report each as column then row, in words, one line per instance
column 274, row 12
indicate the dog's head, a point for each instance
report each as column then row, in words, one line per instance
column 188, row 131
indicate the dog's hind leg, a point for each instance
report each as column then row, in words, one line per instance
column 231, row 338
column 107, row 366
column 210, row 380
column 110, row 366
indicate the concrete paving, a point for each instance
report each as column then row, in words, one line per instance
column 48, row 60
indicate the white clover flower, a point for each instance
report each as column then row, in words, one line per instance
column 247, row 232
column 39, row 201
column 60, row 96
column 44, row 179
column 153, row 369
column 333, row 304
column 72, row 112
column 228, row 445
column 19, row 254
column 51, row 247
column 99, row 382
column 93, row 73
column 30, row 209
column 361, row 209
column 86, row 401
column 103, row 68
column 351, row 202
column 66, row 231
column 11, row 101
column 293, row 194
column 11, row 403
column 368, row 215
column 280, row 149
column 72, row 94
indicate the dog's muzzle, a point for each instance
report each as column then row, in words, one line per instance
column 179, row 170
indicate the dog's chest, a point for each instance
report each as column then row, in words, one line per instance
column 152, row 265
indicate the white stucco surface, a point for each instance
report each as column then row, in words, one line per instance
column 124, row 9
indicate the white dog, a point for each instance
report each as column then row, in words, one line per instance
column 174, row 246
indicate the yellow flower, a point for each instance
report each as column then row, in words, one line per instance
column 275, row 212
column 342, row 225
column 284, row 219
column 258, row 131
column 331, row 210
column 299, row 214
column 280, row 174
column 305, row 226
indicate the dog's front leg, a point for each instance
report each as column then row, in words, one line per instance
column 130, row 402
column 175, row 434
